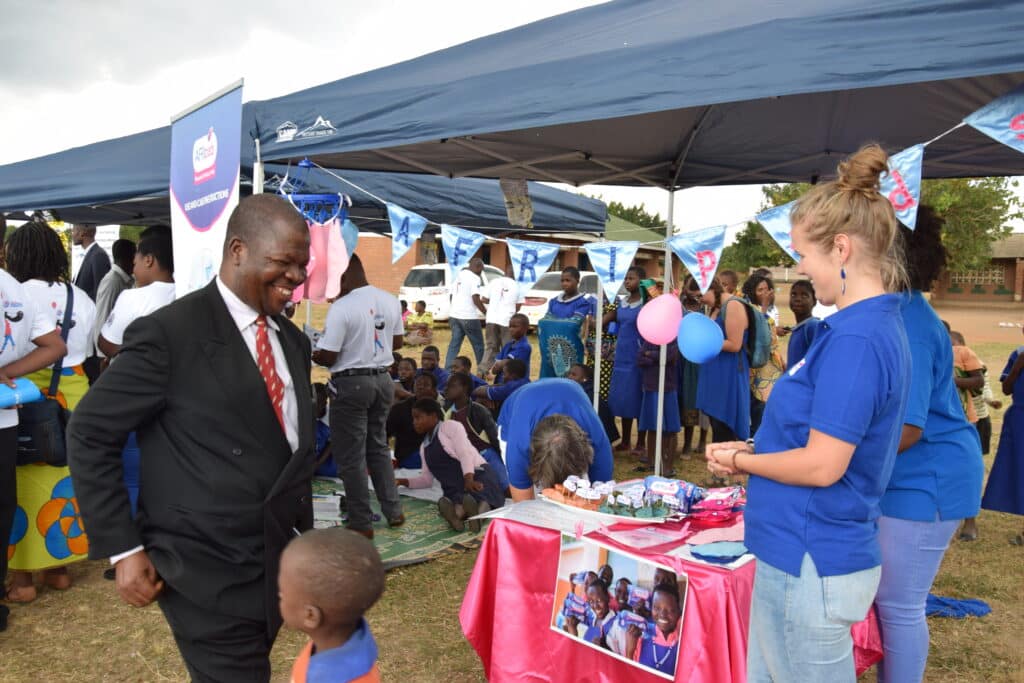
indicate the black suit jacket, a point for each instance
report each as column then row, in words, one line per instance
column 94, row 266
column 221, row 490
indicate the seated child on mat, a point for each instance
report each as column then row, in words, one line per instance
column 478, row 423
column 469, row 485
column 328, row 579
column 463, row 365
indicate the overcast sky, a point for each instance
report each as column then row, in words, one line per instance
column 76, row 72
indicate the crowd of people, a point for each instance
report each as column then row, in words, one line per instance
column 194, row 428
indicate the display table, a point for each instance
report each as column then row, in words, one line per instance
column 506, row 615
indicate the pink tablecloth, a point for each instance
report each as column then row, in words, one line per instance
column 506, row 615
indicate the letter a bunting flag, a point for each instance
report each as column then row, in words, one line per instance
column 406, row 228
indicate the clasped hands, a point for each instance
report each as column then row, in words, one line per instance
column 721, row 457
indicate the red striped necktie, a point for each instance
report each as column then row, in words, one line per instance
column 268, row 369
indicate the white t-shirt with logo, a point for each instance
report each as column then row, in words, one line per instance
column 51, row 298
column 466, row 285
column 502, row 297
column 360, row 327
column 132, row 304
column 22, row 322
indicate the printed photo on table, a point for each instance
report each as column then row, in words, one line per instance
column 620, row 604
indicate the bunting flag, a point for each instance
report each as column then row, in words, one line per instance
column 530, row 260
column 610, row 261
column 1002, row 119
column 406, row 228
column 902, row 184
column 776, row 222
column 700, row 252
column 459, row 246
column 350, row 235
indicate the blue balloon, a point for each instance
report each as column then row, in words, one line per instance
column 700, row 338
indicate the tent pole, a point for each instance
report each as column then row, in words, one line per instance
column 663, row 355
column 598, row 314
column 257, row 171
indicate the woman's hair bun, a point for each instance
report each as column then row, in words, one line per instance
column 861, row 172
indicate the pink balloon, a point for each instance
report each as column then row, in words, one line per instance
column 659, row 319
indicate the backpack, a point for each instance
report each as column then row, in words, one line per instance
column 759, row 334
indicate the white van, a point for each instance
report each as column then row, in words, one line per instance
column 433, row 284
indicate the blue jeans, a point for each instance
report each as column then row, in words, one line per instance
column 460, row 330
column 911, row 555
column 800, row 625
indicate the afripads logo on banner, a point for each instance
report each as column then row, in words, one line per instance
column 288, row 131
column 204, row 157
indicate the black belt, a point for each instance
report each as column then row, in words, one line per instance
column 354, row 372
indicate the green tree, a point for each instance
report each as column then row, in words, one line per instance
column 635, row 214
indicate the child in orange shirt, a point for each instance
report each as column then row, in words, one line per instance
column 328, row 579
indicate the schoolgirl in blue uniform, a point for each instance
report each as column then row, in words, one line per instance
column 826, row 447
column 626, row 392
column 801, row 301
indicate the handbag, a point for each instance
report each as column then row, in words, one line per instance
column 41, row 425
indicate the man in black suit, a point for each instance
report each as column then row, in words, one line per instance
column 216, row 385
column 95, row 265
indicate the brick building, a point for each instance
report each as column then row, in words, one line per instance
column 1002, row 280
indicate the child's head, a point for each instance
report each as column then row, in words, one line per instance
column 598, row 598
column 957, row 338
column 426, row 413
column 327, row 580
column 570, row 280
column 518, row 326
column 606, row 573
column 421, row 307
column 429, row 358
column 664, row 577
column 425, row 386
column 729, row 280
column 801, row 298
column 622, row 591
column 320, row 391
column 665, row 608
column 462, row 364
column 405, row 305
column 406, row 369
column 579, row 373
column 459, row 387
column 514, row 369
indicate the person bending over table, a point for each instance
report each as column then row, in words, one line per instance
column 541, row 451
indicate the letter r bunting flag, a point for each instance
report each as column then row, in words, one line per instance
column 902, row 184
column 776, row 222
column 459, row 246
column 406, row 228
column 611, row 260
column 1002, row 119
column 530, row 260
column 700, row 252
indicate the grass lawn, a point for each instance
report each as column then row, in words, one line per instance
column 88, row 634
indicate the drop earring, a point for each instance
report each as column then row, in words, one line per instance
column 842, row 276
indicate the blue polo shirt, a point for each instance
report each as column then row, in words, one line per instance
column 851, row 385
column 531, row 404
column 800, row 340
column 501, row 392
column 519, row 349
column 941, row 473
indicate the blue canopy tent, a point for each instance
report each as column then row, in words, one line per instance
column 125, row 180
column 674, row 94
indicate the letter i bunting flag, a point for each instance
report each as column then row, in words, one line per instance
column 459, row 246
column 700, row 252
column 205, row 148
column 530, row 260
column 611, row 260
